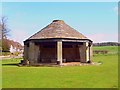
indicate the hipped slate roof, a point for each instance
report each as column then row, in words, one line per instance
column 58, row 29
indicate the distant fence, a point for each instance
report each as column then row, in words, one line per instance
column 100, row 52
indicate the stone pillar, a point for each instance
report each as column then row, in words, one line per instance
column 31, row 52
column 91, row 52
column 59, row 52
column 87, row 52
column 25, row 52
column 82, row 52
column 36, row 53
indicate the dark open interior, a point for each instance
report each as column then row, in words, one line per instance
column 48, row 52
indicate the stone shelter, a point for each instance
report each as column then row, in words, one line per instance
column 57, row 43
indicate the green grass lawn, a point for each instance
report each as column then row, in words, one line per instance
column 96, row 76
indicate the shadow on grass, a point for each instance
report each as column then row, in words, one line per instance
column 10, row 64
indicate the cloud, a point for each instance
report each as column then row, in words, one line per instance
column 102, row 37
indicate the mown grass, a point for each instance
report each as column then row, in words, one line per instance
column 94, row 76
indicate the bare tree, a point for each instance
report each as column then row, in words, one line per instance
column 4, row 32
column 3, row 28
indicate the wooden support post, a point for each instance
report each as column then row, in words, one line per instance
column 59, row 52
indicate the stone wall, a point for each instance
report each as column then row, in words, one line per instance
column 31, row 53
column 40, row 54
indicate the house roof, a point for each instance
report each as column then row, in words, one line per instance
column 58, row 29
